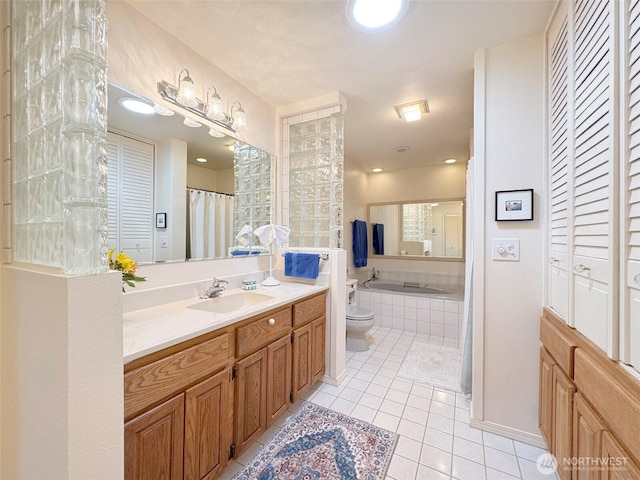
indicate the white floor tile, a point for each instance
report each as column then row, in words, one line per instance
column 387, row 372
column 418, row 401
column 343, row 406
column 411, row 430
column 530, row 471
column 438, row 439
column 440, row 423
column 358, row 384
column 377, row 390
column 350, row 394
column 469, row 450
column 462, row 415
column 249, row 453
column 382, row 380
column 442, row 409
column 498, row 442
column 463, row 469
column 401, row 385
column 323, row 399
column 497, row 475
column 463, row 430
column 386, row 421
column 408, row 448
column 528, row 451
column 415, row 415
column 437, row 459
column 397, row 396
column 371, row 368
column 446, row 397
column 364, row 376
column 422, row 390
column 426, row 473
column 371, row 401
column 502, row 461
column 364, row 413
column 402, row 468
column 391, row 407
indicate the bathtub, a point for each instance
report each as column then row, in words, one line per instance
column 428, row 309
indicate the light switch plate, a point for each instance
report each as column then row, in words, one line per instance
column 164, row 242
column 506, row 249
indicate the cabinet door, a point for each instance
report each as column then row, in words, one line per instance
column 621, row 467
column 278, row 378
column 251, row 399
column 207, row 430
column 317, row 349
column 545, row 404
column 153, row 442
column 563, row 391
column 587, row 437
column 302, row 345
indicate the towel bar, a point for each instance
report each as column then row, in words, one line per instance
column 323, row 255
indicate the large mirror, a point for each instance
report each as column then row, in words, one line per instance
column 175, row 192
column 426, row 229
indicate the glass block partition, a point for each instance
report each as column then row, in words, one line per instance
column 254, row 172
column 59, row 134
column 316, row 182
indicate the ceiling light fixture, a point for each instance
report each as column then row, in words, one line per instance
column 450, row 160
column 412, row 111
column 376, row 170
column 201, row 160
column 375, row 15
column 402, row 149
column 136, row 105
column 211, row 110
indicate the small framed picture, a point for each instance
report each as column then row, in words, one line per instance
column 161, row 220
column 514, row 205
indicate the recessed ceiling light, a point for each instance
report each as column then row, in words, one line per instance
column 201, row 160
column 376, row 170
column 435, row 204
column 136, row 105
column 412, row 111
column 450, row 160
column 191, row 123
column 164, row 111
column 402, row 149
column 375, row 15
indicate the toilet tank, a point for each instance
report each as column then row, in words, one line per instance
column 352, row 287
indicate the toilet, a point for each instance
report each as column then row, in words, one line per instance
column 359, row 321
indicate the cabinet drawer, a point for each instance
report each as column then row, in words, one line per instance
column 309, row 309
column 262, row 331
column 162, row 378
column 559, row 345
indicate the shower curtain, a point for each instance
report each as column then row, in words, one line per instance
column 210, row 225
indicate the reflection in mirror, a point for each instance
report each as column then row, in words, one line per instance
column 425, row 229
column 158, row 165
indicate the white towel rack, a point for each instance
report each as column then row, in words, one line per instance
column 323, row 255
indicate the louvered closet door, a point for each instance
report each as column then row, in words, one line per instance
column 594, row 205
column 630, row 351
column 559, row 169
column 130, row 198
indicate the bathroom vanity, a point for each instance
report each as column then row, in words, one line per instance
column 194, row 403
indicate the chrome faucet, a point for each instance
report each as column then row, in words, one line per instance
column 374, row 276
column 215, row 289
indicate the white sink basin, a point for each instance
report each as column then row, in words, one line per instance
column 231, row 302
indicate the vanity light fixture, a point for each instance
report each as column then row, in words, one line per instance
column 232, row 147
column 412, row 111
column 164, row 111
column 135, row 105
column 376, row 170
column 450, row 160
column 209, row 109
column 215, row 133
column 191, row 123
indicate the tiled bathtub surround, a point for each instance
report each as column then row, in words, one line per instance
column 419, row 314
column 431, row 279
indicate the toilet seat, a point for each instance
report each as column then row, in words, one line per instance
column 359, row 314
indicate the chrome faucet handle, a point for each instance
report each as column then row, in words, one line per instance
column 218, row 281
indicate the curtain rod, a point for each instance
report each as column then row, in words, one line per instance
column 210, row 191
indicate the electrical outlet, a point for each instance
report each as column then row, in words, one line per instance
column 506, row 249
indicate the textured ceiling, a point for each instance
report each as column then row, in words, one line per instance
column 289, row 51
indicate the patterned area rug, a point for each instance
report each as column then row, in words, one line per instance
column 321, row 444
column 432, row 364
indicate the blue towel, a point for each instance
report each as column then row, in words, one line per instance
column 360, row 248
column 303, row 265
column 244, row 252
column 378, row 239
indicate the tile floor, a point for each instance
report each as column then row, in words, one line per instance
column 435, row 439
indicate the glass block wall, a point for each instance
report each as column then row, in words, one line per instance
column 254, row 184
column 59, row 134
column 316, row 182
column 417, row 221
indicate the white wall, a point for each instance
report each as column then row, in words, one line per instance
column 141, row 53
column 508, row 296
column 208, row 179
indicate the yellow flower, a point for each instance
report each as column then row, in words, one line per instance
column 126, row 262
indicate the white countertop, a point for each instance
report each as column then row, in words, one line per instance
column 152, row 329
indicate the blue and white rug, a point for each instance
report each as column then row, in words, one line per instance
column 321, row 444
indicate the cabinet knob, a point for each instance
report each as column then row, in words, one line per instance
column 637, row 279
column 272, row 321
column 581, row 268
column 553, row 261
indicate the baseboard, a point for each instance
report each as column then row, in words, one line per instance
column 512, row 433
column 335, row 381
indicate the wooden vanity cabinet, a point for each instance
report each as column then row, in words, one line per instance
column 309, row 320
column 191, row 408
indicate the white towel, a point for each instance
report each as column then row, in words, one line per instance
column 244, row 235
column 268, row 233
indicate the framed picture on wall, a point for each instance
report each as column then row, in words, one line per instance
column 514, row 205
column 161, row 220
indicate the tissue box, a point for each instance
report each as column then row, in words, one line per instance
column 249, row 284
